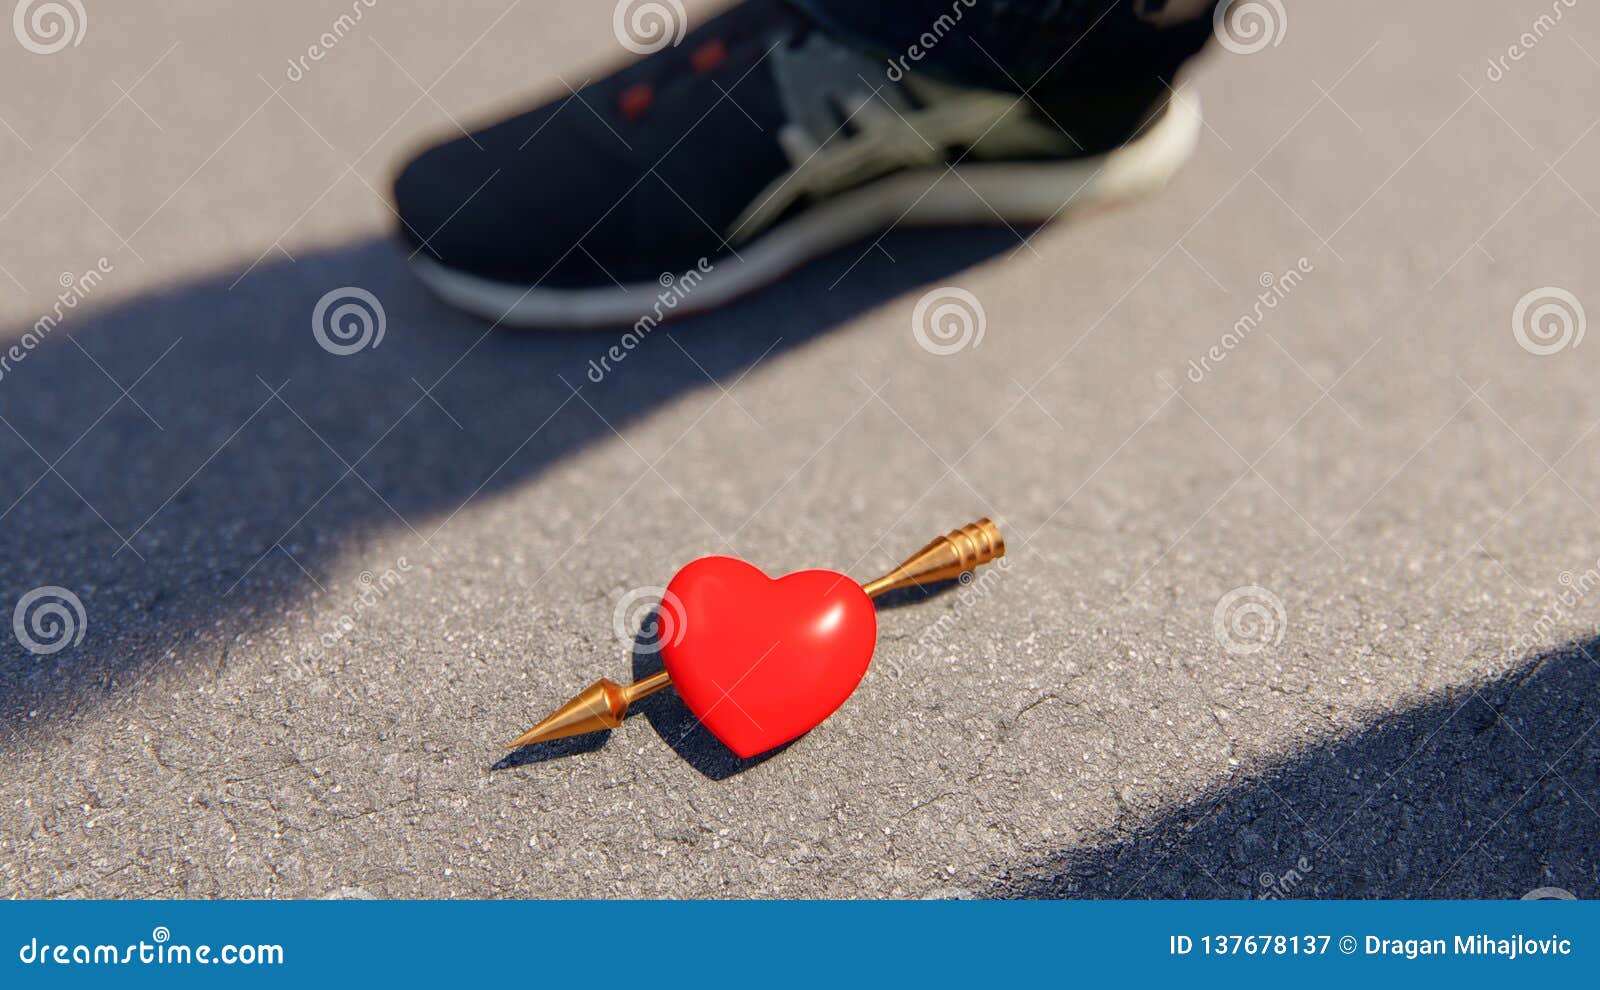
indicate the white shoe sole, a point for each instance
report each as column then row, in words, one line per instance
column 1016, row 192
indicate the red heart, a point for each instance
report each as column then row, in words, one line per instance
column 762, row 661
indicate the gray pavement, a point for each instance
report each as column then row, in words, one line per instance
column 318, row 592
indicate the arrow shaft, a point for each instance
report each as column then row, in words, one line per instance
column 605, row 703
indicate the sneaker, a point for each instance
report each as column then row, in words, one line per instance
column 759, row 142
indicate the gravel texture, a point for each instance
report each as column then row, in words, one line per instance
column 319, row 592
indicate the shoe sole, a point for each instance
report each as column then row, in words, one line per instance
column 1015, row 192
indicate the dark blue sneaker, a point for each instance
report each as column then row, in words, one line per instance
column 757, row 143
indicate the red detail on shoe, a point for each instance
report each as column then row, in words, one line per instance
column 709, row 56
column 635, row 100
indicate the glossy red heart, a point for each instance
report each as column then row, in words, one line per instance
column 762, row 661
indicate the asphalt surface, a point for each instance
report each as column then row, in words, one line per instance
column 319, row 592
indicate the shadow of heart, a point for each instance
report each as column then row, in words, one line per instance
column 676, row 724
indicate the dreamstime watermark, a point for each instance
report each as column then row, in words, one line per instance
column 645, row 27
column 947, row 320
column 974, row 590
column 48, row 620
column 74, row 290
column 371, row 589
column 45, row 27
column 1277, row 886
column 1575, row 589
column 329, row 39
column 1528, row 40
column 928, row 40
column 1245, row 27
column 347, row 320
column 1548, row 320
column 648, row 620
column 1249, row 619
column 674, row 290
column 1549, row 894
column 159, row 951
column 1274, row 290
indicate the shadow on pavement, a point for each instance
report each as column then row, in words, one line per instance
column 190, row 462
column 677, row 726
column 1490, row 790
column 555, row 749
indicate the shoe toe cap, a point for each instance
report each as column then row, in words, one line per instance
column 433, row 197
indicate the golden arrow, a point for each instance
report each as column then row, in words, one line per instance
column 603, row 704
